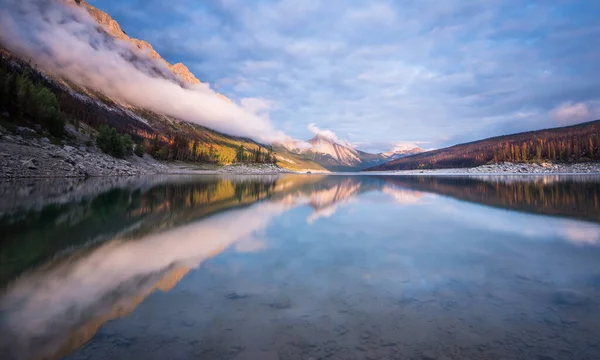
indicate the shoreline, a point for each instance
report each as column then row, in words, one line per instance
column 24, row 154
column 506, row 168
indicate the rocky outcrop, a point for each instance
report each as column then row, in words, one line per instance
column 35, row 156
column 113, row 28
column 184, row 73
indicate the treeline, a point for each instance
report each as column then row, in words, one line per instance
column 574, row 149
column 183, row 148
column 115, row 144
column 26, row 100
column 257, row 155
column 576, row 143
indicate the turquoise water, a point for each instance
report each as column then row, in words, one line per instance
column 301, row 267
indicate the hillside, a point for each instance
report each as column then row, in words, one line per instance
column 569, row 144
column 81, row 102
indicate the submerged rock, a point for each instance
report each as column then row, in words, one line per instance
column 569, row 297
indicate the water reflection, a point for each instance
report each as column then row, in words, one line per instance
column 93, row 257
column 575, row 196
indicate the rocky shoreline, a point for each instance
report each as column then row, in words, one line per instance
column 25, row 153
column 509, row 168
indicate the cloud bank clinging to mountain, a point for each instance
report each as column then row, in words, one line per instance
column 65, row 40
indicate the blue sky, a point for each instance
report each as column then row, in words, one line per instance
column 379, row 73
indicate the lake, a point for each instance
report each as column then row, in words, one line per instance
column 301, row 267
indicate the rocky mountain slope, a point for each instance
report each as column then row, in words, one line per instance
column 335, row 156
column 397, row 154
column 114, row 29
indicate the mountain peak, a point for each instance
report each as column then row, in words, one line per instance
column 112, row 27
column 184, row 73
column 319, row 137
column 399, row 153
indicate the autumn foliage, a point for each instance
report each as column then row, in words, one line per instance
column 577, row 143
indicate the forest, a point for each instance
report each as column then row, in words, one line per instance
column 576, row 143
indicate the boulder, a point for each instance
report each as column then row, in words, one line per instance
column 569, row 297
column 28, row 164
column 25, row 131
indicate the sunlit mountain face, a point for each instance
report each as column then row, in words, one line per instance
column 107, row 263
column 336, row 155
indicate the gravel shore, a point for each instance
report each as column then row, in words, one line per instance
column 509, row 168
column 26, row 154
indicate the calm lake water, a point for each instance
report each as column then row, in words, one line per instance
column 301, row 267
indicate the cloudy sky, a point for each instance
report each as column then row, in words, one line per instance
column 379, row 72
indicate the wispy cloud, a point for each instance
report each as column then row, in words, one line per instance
column 322, row 132
column 570, row 112
column 408, row 145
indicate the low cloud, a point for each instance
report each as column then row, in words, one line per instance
column 65, row 40
column 570, row 113
column 409, row 145
column 302, row 145
column 323, row 132
column 257, row 106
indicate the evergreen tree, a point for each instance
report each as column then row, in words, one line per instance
column 257, row 155
column 110, row 142
column 213, row 154
column 240, row 154
column 12, row 90
column 3, row 89
column 194, row 150
column 155, row 145
column 140, row 149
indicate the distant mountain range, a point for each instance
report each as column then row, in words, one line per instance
column 335, row 156
column 573, row 143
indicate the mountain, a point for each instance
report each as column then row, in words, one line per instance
column 397, row 154
column 83, row 96
column 114, row 29
column 331, row 154
column 335, row 156
column 575, row 143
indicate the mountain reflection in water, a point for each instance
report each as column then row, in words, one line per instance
column 70, row 263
